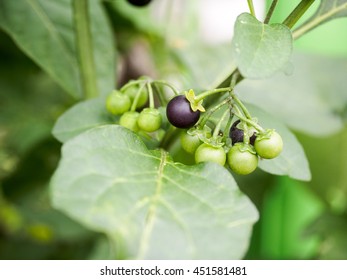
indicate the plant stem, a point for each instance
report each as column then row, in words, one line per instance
column 315, row 22
column 168, row 85
column 130, row 84
column 160, row 95
column 233, row 79
column 230, row 79
column 169, row 137
column 251, row 7
column 137, row 97
column 297, row 13
column 205, row 118
column 245, row 133
column 203, row 95
column 219, row 124
column 228, row 126
column 270, row 11
column 84, row 46
column 243, row 107
column 238, row 114
column 150, row 93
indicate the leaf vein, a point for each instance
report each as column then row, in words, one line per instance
column 191, row 194
column 150, row 218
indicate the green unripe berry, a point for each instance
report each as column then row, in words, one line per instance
column 117, row 103
column 129, row 120
column 149, row 120
column 189, row 142
column 207, row 152
column 268, row 145
column 242, row 159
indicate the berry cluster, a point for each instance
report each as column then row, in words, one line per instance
column 127, row 101
column 239, row 144
column 243, row 157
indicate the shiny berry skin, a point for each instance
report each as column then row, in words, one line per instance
column 206, row 152
column 149, row 120
column 242, row 159
column 129, row 120
column 269, row 146
column 139, row 3
column 118, row 103
column 180, row 114
column 189, row 142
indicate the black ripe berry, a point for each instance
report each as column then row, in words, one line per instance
column 180, row 114
column 236, row 134
column 252, row 138
column 139, row 3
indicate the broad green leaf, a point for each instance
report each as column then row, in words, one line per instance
column 310, row 100
column 328, row 10
column 44, row 31
column 260, row 50
column 81, row 117
column 149, row 206
column 92, row 113
column 33, row 29
column 292, row 161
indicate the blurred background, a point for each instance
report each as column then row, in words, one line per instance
column 187, row 43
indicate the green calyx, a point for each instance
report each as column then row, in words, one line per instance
column 203, row 133
column 215, row 142
column 265, row 134
column 195, row 104
column 243, row 147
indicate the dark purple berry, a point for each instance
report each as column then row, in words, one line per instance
column 139, row 3
column 234, row 125
column 180, row 114
column 252, row 138
column 236, row 134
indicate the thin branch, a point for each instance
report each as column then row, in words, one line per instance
column 84, row 48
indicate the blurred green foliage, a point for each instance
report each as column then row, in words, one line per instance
column 297, row 220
